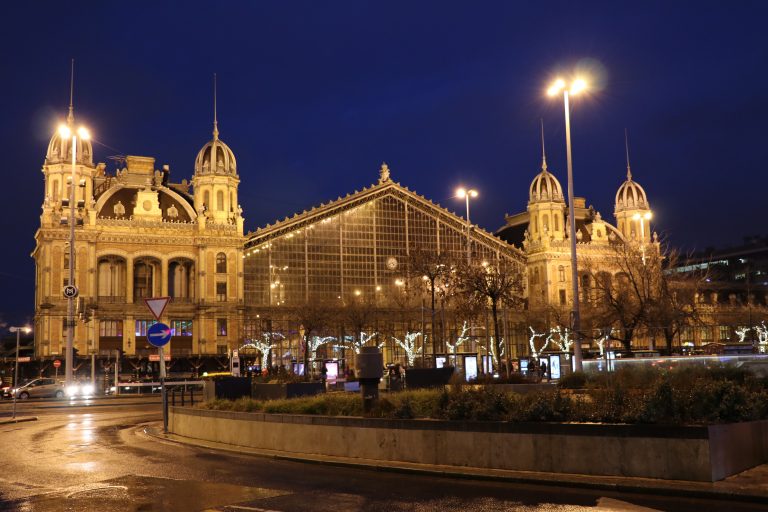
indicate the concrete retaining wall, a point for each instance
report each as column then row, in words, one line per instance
column 679, row 453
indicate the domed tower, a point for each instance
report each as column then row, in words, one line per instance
column 57, row 168
column 546, row 205
column 632, row 211
column 215, row 181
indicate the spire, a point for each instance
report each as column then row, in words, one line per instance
column 543, row 152
column 626, row 147
column 215, row 118
column 71, row 115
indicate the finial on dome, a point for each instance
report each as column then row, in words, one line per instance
column 215, row 118
column 384, row 173
column 71, row 115
column 626, row 147
column 543, row 152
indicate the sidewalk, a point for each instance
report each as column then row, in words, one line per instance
column 19, row 419
column 748, row 486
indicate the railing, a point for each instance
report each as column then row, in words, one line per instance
column 182, row 300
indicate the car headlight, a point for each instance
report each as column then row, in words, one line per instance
column 73, row 390
column 86, row 389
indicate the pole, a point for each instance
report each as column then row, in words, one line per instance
column 93, row 370
column 469, row 231
column 163, row 390
column 71, row 300
column 16, row 371
column 572, row 218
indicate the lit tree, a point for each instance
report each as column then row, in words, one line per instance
column 762, row 337
column 360, row 341
column 264, row 346
column 409, row 345
column 495, row 285
column 312, row 316
column 536, row 351
column 452, row 347
column 431, row 267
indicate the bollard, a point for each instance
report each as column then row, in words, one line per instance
column 182, row 397
column 369, row 362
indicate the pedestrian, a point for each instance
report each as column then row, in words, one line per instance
column 323, row 373
column 544, row 370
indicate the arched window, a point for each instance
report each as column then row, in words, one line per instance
column 55, row 190
column 221, row 263
column 207, row 199
column 535, row 223
column 545, row 223
column 220, row 200
column 232, row 201
column 556, row 222
column 561, row 273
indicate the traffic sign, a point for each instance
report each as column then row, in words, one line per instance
column 70, row 291
column 56, row 363
column 156, row 357
column 157, row 305
column 159, row 334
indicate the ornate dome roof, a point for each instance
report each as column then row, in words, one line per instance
column 631, row 196
column 545, row 187
column 60, row 149
column 216, row 158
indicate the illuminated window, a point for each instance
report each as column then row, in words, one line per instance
column 111, row 328
column 181, row 327
column 221, row 263
column 725, row 332
column 221, row 291
column 142, row 326
column 561, row 273
column 221, row 327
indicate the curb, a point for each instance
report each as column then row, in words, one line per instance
column 679, row 489
column 18, row 420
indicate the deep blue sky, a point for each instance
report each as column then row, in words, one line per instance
column 313, row 96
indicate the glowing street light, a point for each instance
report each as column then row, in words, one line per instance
column 576, row 86
column 66, row 132
column 463, row 193
column 642, row 218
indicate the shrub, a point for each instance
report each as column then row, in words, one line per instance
column 574, row 380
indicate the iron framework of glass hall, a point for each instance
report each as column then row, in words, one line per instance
column 357, row 248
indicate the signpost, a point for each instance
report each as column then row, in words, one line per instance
column 57, row 365
column 159, row 335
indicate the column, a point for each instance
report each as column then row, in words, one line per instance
column 129, row 280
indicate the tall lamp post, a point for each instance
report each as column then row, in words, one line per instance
column 463, row 193
column 18, row 331
column 66, row 132
column 642, row 218
column 577, row 86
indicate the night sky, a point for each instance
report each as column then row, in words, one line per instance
column 313, row 96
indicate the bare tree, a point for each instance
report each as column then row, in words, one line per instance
column 494, row 285
column 431, row 267
column 313, row 316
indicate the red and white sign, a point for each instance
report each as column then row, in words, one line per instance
column 156, row 357
column 156, row 306
column 56, row 363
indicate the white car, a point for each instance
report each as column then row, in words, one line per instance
column 39, row 388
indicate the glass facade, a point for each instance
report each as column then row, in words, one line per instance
column 357, row 250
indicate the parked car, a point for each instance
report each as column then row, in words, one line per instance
column 40, row 388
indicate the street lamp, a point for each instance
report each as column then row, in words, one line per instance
column 18, row 331
column 463, row 193
column 577, row 86
column 642, row 218
column 66, row 132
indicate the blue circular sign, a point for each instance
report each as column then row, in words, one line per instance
column 159, row 334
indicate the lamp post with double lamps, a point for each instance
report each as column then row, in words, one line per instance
column 576, row 86
column 642, row 218
column 67, row 132
column 15, row 387
column 463, row 193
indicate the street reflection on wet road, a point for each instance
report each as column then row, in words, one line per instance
column 98, row 458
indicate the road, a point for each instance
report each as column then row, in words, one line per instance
column 95, row 456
